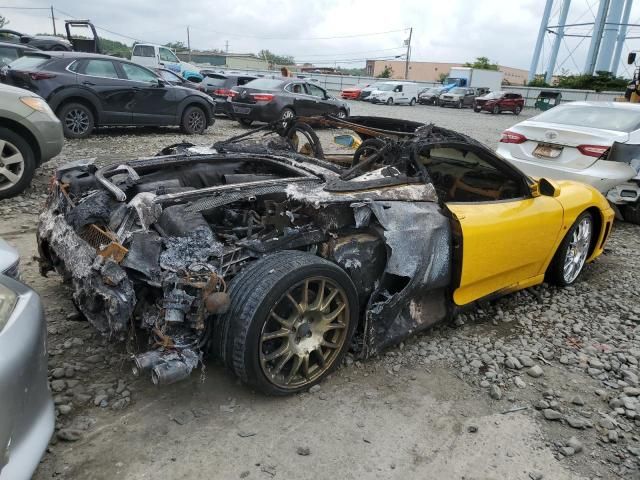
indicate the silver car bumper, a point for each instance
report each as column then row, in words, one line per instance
column 48, row 132
column 27, row 415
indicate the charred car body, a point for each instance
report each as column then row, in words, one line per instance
column 278, row 262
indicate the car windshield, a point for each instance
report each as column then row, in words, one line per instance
column 493, row 95
column 385, row 87
column 606, row 118
column 459, row 91
column 28, row 62
column 264, row 83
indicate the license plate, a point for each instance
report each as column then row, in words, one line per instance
column 548, row 151
column 242, row 110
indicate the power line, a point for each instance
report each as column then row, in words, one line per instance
column 310, row 38
column 355, row 53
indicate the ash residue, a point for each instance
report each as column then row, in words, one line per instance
column 198, row 246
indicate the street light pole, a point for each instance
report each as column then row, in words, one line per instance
column 406, row 64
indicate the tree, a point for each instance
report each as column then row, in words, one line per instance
column 442, row 77
column 387, row 72
column 482, row 63
column 3, row 21
column 177, row 46
column 276, row 59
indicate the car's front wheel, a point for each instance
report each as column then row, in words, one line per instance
column 412, row 102
column 77, row 120
column 245, row 122
column 389, row 101
column 290, row 322
column 194, row 121
column 631, row 213
column 477, row 109
column 573, row 251
column 342, row 113
column 517, row 110
column 17, row 163
column 496, row 110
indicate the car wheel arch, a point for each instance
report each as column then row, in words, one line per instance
column 81, row 99
column 195, row 102
column 26, row 133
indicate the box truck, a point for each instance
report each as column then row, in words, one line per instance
column 474, row 77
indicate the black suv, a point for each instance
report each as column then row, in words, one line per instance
column 89, row 90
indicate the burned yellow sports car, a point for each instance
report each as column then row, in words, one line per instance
column 277, row 258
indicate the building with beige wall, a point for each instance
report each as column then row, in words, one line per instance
column 432, row 71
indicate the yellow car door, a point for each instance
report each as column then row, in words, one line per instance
column 506, row 244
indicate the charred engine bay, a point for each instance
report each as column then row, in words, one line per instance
column 153, row 244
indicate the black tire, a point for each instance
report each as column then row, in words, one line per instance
column 77, row 120
column 496, row 110
column 389, row 101
column 254, row 292
column 517, row 110
column 412, row 102
column 306, row 131
column 477, row 109
column 459, row 105
column 194, row 121
column 245, row 122
column 631, row 213
column 15, row 148
column 342, row 113
column 555, row 273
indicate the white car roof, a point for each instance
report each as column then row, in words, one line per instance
column 624, row 105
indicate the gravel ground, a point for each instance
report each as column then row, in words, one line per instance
column 542, row 383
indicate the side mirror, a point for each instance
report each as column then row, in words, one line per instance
column 631, row 59
column 547, row 188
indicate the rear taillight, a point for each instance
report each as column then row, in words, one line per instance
column 592, row 150
column 233, row 93
column 512, row 137
column 223, row 92
column 41, row 75
column 262, row 97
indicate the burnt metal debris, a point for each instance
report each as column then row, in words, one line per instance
column 154, row 243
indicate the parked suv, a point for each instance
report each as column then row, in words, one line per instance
column 458, row 97
column 10, row 51
column 30, row 134
column 496, row 102
column 220, row 85
column 270, row 99
column 89, row 90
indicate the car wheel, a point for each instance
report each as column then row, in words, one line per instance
column 496, row 110
column 77, row 120
column 245, row 122
column 290, row 322
column 17, row 163
column 517, row 110
column 573, row 252
column 631, row 213
column 412, row 102
column 477, row 109
column 194, row 121
column 342, row 113
column 286, row 115
column 459, row 104
column 389, row 101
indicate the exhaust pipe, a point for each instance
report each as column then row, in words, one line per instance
column 170, row 371
column 145, row 361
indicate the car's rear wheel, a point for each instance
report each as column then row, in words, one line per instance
column 631, row 213
column 496, row 110
column 245, row 122
column 194, row 121
column 573, row 251
column 517, row 110
column 286, row 115
column 77, row 120
column 17, row 163
column 290, row 322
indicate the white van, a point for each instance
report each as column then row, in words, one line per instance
column 395, row 92
column 156, row 56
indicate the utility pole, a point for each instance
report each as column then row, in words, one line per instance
column 53, row 20
column 189, row 43
column 406, row 64
column 226, row 46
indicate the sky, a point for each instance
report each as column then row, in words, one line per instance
column 332, row 32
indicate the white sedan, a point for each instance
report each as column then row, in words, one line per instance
column 572, row 142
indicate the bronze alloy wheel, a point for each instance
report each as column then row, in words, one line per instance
column 304, row 332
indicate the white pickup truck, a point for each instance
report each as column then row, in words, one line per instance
column 156, row 56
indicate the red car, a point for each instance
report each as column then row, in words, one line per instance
column 496, row 102
column 352, row 93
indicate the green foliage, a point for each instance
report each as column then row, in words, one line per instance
column 3, row 21
column 276, row 59
column 598, row 82
column 538, row 81
column 387, row 72
column 115, row 48
column 177, row 46
column 482, row 63
column 442, row 77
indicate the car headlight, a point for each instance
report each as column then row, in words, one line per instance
column 8, row 300
column 37, row 104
